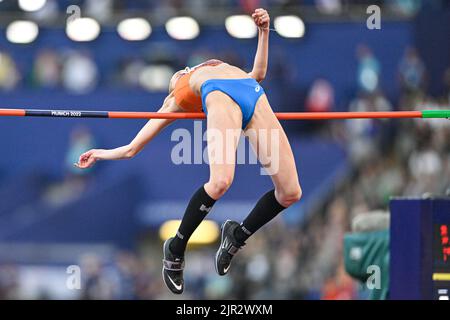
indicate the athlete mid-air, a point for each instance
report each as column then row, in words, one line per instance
column 232, row 100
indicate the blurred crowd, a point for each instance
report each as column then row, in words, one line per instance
column 74, row 71
column 77, row 72
column 388, row 158
column 103, row 9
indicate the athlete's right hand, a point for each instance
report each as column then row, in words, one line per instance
column 261, row 18
column 87, row 159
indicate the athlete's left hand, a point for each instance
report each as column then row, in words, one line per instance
column 261, row 18
column 87, row 159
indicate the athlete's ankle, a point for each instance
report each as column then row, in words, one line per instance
column 241, row 234
column 177, row 247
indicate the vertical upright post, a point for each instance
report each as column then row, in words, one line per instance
column 410, row 249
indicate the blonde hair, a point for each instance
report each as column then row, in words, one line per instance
column 175, row 78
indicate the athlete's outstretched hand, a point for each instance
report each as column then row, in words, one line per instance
column 86, row 160
column 261, row 18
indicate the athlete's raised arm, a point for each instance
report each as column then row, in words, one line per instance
column 262, row 20
column 145, row 135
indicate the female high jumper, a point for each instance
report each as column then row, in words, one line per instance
column 232, row 100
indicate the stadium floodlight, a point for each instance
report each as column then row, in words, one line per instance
column 289, row 26
column 206, row 233
column 182, row 28
column 134, row 29
column 241, row 26
column 83, row 29
column 22, row 31
column 31, row 5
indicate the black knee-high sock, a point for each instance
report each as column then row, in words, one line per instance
column 197, row 209
column 265, row 210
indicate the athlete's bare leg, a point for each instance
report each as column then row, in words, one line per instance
column 269, row 140
column 224, row 124
column 284, row 173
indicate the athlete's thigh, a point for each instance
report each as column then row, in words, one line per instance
column 270, row 143
column 224, row 122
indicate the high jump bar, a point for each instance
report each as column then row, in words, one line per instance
column 200, row 115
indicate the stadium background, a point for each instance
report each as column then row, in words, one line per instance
column 108, row 220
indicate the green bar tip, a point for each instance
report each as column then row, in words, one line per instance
column 436, row 114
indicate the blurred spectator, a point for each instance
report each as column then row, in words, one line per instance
column 368, row 69
column 79, row 73
column 329, row 6
column 97, row 285
column 128, row 271
column 130, row 70
column 412, row 72
column 233, row 58
column 363, row 134
column 46, row 69
column 81, row 140
column 169, row 8
column 75, row 181
column 320, row 97
column 248, row 6
column 425, row 166
column 49, row 12
column 99, row 9
column 199, row 56
column 155, row 77
column 446, row 81
column 9, row 75
column 405, row 7
column 8, row 282
column 339, row 287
